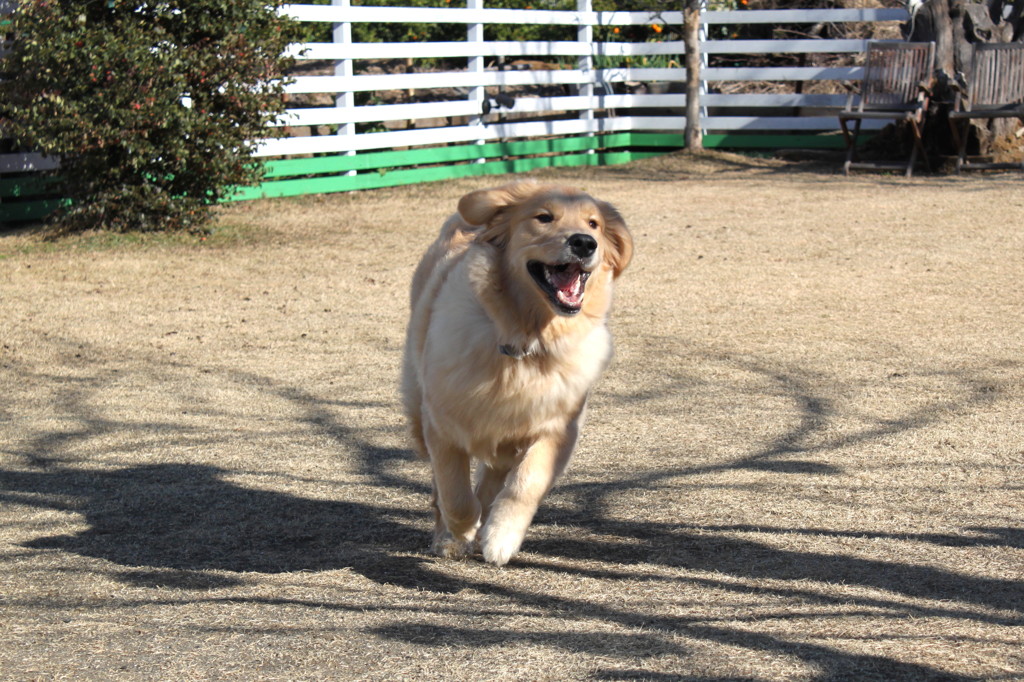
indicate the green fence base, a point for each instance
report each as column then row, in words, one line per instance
column 753, row 141
column 388, row 169
column 24, row 199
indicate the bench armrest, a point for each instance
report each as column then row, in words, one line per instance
column 852, row 90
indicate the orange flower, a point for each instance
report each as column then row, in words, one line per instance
column 657, row 28
column 615, row 30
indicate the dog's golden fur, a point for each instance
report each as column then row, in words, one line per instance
column 507, row 335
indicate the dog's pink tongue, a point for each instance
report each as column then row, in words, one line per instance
column 569, row 285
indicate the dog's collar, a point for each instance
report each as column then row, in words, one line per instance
column 515, row 352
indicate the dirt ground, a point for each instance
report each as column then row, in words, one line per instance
column 803, row 464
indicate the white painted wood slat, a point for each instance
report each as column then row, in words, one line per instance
column 454, row 134
column 452, row 15
column 567, row 49
column 489, row 49
column 459, row 15
column 425, row 110
column 26, row 163
column 804, row 16
column 316, row 116
column 462, row 79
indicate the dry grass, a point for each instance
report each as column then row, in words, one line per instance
column 804, row 463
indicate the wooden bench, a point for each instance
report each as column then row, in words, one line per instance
column 995, row 89
column 896, row 86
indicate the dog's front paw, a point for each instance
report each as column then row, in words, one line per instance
column 449, row 547
column 498, row 545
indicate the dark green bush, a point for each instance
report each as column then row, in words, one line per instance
column 151, row 105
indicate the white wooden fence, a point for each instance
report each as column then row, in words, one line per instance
column 583, row 98
column 594, row 105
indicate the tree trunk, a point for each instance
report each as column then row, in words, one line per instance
column 691, row 41
column 954, row 26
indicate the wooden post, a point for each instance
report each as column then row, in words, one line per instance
column 585, row 34
column 342, row 33
column 691, row 40
column 477, row 94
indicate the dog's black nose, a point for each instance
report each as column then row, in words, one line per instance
column 582, row 245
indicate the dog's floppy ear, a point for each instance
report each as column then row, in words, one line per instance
column 619, row 238
column 479, row 207
column 485, row 207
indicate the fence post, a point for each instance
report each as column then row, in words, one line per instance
column 692, row 10
column 342, row 33
column 477, row 94
column 703, row 37
column 585, row 35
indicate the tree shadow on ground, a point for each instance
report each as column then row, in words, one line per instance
column 698, row 550
column 188, row 518
column 182, row 520
column 177, row 521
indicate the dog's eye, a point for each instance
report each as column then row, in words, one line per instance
column 593, row 224
column 545, row 218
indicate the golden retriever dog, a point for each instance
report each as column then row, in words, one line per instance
column 507, row 335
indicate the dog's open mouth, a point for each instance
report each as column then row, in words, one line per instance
column 564, row 284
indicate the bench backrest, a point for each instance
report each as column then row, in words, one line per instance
column 893, row 74
column 997, row 75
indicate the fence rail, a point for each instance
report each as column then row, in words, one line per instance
column 614, row 111
column 586, row 94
